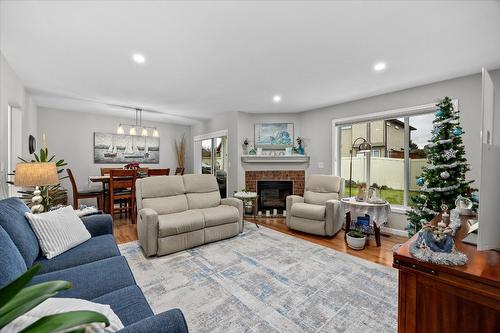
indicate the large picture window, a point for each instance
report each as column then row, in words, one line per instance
column 397, row 154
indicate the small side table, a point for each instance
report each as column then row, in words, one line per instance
column 379, row 214
column 249, row 197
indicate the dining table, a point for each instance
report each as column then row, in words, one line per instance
column 104, row 180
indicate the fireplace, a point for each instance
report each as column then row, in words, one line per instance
column 273, row 193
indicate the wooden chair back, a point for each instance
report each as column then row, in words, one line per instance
column 158, row 172
column 120, row 179
column 106, row 171
column 179, row 171
column 72, row 181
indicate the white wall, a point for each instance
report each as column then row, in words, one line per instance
column 315, row 126
column 13, row 92
column 70, row 135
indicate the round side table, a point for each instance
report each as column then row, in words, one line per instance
column 379, row 213
column 252, row 197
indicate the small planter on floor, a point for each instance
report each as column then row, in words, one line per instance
column 356, row 240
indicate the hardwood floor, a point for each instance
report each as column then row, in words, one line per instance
column 126, row 232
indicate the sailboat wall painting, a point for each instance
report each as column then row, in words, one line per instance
column 112, row 148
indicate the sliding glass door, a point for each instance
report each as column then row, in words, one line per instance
column 214, row 160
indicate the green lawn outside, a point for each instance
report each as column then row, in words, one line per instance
column 394, row 197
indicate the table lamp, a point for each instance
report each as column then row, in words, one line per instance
column 36, row 174
column 364, row 147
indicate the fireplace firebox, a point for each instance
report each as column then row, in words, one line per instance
column 273, row 193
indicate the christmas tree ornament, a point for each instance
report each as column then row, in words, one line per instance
column 450, row 153
column 445, row 175
column 457, row 131
column 439, row 113
column 420, row 181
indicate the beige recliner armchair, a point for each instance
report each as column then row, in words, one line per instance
column 318, row 212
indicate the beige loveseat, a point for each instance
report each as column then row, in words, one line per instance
column 180, row 212
column 318, row 212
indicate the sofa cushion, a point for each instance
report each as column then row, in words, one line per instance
column 323, row 183
column 309, row 211
column 127, row 303
column 203, row 200
column 160, row 186
column 179, row 223
column 220, row 215
column 11, row 261
column 93, row 279
column 58, row 230
column 15, row 224
column 166, row 205
column 96, row 248
column 200, row 183
column 318, row 198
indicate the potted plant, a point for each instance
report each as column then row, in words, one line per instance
column 18, row 298
column 299, row 149
column 245, row 146
column 356, row 239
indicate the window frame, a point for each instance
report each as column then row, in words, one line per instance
column 405, row 113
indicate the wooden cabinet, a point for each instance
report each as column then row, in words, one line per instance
column 437, row 298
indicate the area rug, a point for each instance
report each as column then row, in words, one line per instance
column 267, row 281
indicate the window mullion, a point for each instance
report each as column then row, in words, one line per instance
column 406, row 195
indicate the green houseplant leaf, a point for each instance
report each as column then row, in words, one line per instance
column 16, row 299
column 63, row 321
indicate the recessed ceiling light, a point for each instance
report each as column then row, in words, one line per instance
column 276, row 98
column 380, row 66
column 138, row 58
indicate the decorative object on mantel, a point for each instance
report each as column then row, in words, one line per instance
column 252, row 151
column 299, row 149
column 273, row 135
column 443, row 178
column 180, row 151
column 245, row 146
column 255, row 158
column 364, row 147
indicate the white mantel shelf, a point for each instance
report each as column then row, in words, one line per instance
column 274, row 159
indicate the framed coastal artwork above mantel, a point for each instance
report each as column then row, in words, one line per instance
column 110, row 148
column 273, row 135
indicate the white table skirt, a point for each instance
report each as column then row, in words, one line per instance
column 379, row 213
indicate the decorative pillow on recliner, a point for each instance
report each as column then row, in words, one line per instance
column 59, row 305
column 58, row 230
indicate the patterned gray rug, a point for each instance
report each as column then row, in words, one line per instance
column 267, row 281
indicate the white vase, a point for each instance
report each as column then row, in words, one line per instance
column 356, row 243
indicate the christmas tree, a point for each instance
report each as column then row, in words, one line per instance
column 443, row 178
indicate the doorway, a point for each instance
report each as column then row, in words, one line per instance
column 211, row 157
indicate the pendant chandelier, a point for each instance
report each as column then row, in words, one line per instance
column 138, row 128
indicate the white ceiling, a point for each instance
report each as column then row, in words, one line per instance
column 209, row 57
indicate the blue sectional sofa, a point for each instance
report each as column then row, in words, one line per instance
column 95, row 268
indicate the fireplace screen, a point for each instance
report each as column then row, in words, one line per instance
column 272, row 194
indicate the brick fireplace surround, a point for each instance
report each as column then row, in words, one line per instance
column 297, row 176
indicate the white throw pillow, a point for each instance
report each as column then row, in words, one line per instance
column 58, row 230
column 59, row 305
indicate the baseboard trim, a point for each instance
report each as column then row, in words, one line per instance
column 392, row 231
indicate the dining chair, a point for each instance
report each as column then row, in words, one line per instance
column 105, row 171
column 179, row 171
column 122, row 190
column 84, row 193
column 158, row 172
